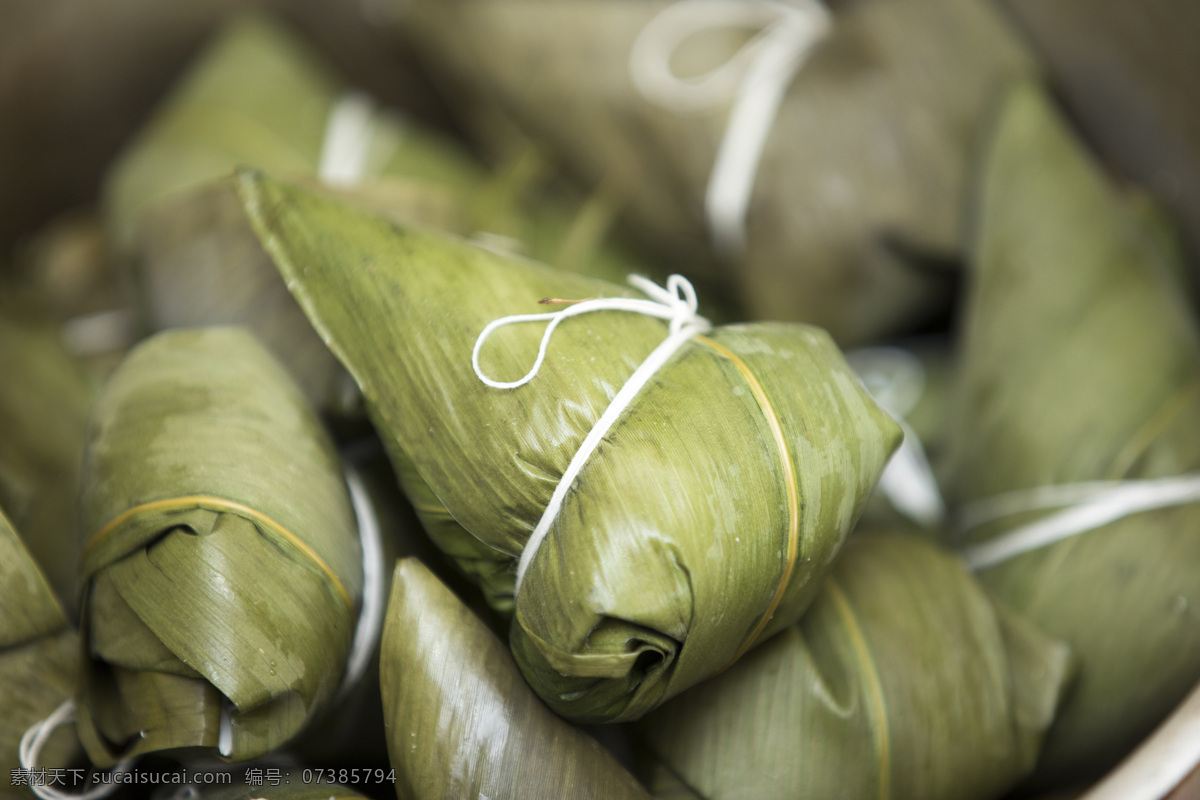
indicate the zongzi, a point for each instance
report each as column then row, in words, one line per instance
column 259, row 97
column 855, row 209
column 222, row 567
column 441, row 663
column 903, row 681
column 652, row 545
column 1080, row 379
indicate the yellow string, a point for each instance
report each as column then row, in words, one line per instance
column 793, row 494
column 211, row 503
column 871, row 676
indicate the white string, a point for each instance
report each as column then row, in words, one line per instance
column 370, row 618
column 754, row 79
column 676, row 304
column 347, row 143
column 1092, row 506
column 31, row 748
column 895, row 378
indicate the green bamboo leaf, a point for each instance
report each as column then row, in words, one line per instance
column 39, row 655
column 462, row 723
column 902, row 681
column 707, row 515
column 258, row 96
column 1081, row 362
column 223, row 568
column 44, row 403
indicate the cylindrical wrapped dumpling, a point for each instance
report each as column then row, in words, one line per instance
column 222, row 565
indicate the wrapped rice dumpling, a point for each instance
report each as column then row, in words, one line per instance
column 222, row 566
column 441, row 663
column 39, row 653
column 865, row 162
column 695, row 525
column 902, row 681
column 44, row 401
column 1080, row 364
column 259, row 97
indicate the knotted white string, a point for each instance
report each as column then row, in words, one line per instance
column 754, row 79
column 1091, row 505
column 896, row 379
column 676, row 304
column 31, row 748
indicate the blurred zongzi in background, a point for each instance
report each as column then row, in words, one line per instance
column 259, row 97
column 1078, row 401
column 45, row 397
column 864, row 169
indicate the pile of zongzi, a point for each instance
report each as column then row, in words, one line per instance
column 351, row 451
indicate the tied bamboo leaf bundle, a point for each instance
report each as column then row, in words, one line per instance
column 222, row 566
column 260, row 97
column 700, row 523
column 39, row 654
column 1080, row 363
column 903, row 680
column 44, row 403
column 864, row 164
column 441, row 663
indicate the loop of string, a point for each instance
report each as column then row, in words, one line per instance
column 676, row 303
column 895, row 378
column 31, row 748
column 754, row 79
column 1090, row 505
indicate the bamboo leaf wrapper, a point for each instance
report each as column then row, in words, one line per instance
column 701, row 525
column 222, row 568
column 462, row 723
column 903, row 681
column 1081, row 362
column 44, row 403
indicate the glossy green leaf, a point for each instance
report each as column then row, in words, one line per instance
column 702, row 523
column 1081, row 362
column 462, row 722
column 903, row 681
column 223, row 566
